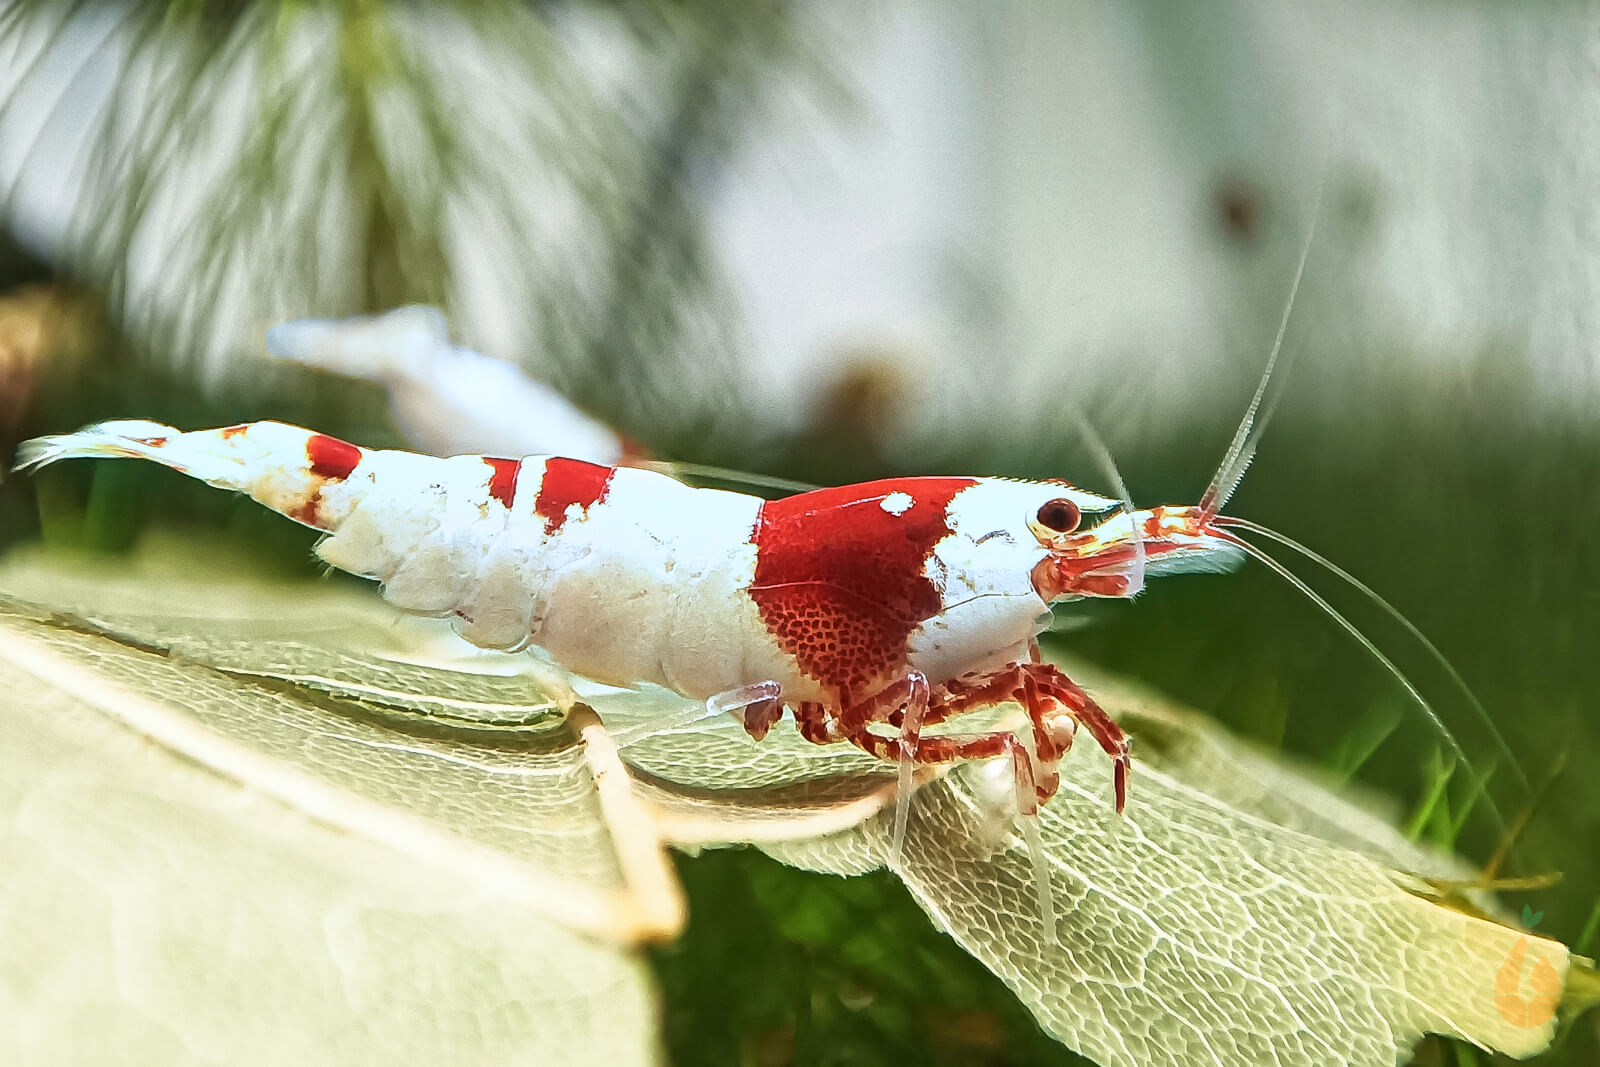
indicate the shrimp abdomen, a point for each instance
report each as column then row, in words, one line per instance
column 418, row 524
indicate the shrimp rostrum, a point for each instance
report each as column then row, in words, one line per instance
column 867, row 611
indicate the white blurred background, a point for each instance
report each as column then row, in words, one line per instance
column 990, row 207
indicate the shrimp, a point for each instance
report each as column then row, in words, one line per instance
column 867, row 612
column 892, row 604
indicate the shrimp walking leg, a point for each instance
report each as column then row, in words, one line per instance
column 1050, row 681
column 822, row 725
column 948, row 748
column 1056, row 705
column 911, row 714
column 755, row 707
column 815, row 723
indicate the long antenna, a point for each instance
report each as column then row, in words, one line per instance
column 1260, row 555
column 1242, row 449
column 1394, row 613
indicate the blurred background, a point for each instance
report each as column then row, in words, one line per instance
column 832, row 241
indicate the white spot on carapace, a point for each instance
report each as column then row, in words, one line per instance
column 897, row 503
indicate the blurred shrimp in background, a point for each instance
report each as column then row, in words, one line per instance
column 447, row 400
column 832, row 241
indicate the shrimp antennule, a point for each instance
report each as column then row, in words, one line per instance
column 1102, row 456
column 1242, row 449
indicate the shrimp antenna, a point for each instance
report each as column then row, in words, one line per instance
column 1260, row 555
column 1242, row 449
column 1395, row 614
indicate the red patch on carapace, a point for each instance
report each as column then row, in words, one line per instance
column 230, row 432
column 330, row 457
column 567, row 482
column 839, row 580
column 503, row 478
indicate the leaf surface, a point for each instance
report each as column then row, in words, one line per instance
column 225, row 869
column 1193, row 931
column 1241, row 912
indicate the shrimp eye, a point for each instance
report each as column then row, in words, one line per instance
column 1060, row 515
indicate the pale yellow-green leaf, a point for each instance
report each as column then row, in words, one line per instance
column 200, row 867
column 1193, row 932
column 1241, row 911
column 1192, row 748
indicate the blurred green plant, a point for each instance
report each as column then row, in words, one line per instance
column 522, row 165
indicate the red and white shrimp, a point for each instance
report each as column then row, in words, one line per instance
column 900, row 602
